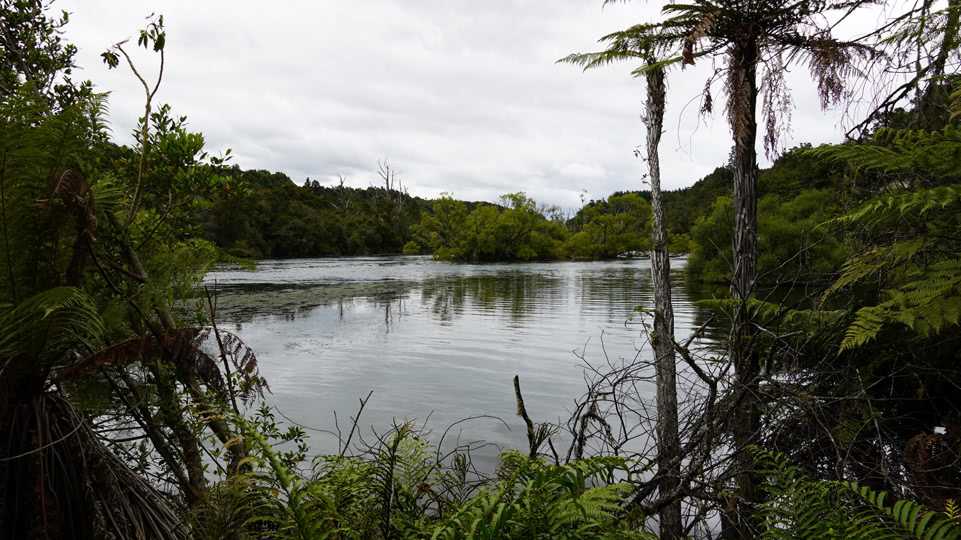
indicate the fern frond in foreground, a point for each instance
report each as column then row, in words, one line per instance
column 799, row 506
column 397, row 490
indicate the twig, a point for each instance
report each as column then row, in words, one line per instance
column 356, row 419
column 522, row 412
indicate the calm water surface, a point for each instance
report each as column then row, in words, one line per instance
column 435, row 340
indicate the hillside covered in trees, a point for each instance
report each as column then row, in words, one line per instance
column 280, row 219
column 826, row 408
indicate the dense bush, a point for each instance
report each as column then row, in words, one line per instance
column 793, row 243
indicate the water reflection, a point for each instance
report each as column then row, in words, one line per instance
column 517, row 294
column 433, row 338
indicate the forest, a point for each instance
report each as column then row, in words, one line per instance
column 826, row 408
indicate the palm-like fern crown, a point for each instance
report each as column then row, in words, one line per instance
column 46, row 217
column 749, row 33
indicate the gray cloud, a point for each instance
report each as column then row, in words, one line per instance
column 460, row 96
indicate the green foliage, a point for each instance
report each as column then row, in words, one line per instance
column 684, row 206
column 801, row 507
column 35, row 52
column 792, row 244
column 913, row 152
column 515, row 231
column 41, row 225
column 537, row 500
column 927, row 302
column 908, row 234
column 767, row 314
column 280, row 219
column 621, row 224
column 50, row 324
column 398, row 489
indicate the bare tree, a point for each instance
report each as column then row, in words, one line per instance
column 637, row 43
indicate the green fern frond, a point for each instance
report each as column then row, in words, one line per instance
column 926, row 304
column 770, row 313
column 890, row 209
column 900, row 151
column 51, row 323
column 873, row 260
column 910, row 517
column 952, row 510
column 801, row 507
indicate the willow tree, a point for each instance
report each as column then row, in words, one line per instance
column 636, row 43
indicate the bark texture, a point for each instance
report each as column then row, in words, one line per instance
column 742, row 106
column 668, row 442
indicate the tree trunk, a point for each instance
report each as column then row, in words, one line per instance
column 668, row 442
column 742, row 110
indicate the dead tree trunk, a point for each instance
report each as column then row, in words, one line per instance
column 668, row 442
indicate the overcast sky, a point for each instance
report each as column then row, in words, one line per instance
column 458, row 95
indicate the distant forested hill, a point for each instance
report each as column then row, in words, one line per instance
column 280, row 218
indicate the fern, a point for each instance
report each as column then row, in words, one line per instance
column 536, row 500
column 801, row 507
column 381, row 494
column 952, row 510
column 901, row 151
column 918, row 261
column 36, row 228
column 908, row 517
column 50, row 324
column 926, row 305
column 891, row 209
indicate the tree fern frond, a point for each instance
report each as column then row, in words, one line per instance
column 801, row 507
column 901, row 151
column 890, row 209
column 910, row 517
column 50, row 323
column 770, row 313
column 925, row 304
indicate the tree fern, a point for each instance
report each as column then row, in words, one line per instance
column 901, row 151
column 50, row 324
column 888, row 210
column 764, row 313
column 36, row 229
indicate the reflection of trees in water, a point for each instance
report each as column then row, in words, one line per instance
column 617, row 291
column 516, row 293
column 243, row 306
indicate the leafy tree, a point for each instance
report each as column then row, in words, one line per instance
column 515, row 231
column 32, row 50
column 795, row 245
column 621, row 224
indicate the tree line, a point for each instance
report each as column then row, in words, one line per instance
column 126, row 412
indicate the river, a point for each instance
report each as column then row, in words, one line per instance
column 436, row 342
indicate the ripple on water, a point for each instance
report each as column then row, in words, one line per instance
column 435, row 338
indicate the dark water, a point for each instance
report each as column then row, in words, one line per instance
column 436, row 340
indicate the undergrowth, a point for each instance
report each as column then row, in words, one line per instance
column 401, row 487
